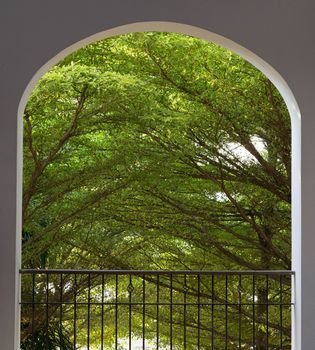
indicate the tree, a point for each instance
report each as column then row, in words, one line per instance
column 160, row 147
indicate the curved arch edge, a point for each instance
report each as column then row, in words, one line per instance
column 248, row 55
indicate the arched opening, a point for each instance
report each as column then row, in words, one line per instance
column 274, row 78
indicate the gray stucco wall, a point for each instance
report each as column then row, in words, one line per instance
column 32, row 32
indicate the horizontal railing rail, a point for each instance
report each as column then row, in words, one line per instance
column 160, row 272
column 155, row 309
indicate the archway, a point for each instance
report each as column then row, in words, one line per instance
column 267, row 70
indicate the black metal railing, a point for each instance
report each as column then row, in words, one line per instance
column 87, row 309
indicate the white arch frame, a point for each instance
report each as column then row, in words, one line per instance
column 256, row 61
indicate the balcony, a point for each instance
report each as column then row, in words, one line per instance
column 89, row 309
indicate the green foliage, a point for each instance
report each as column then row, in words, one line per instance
column 51, row 340
column 157, row 151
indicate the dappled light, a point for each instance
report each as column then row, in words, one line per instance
column 159, row 151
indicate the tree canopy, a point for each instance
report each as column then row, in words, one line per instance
column 156, row 151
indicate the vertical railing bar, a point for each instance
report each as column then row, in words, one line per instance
column 33, row 310
column 198, row 321
column 226, row 312
column 89, row 311
column 116, row 311
column 281, row 314
column 130, row 309
column 240, row 312
column 185, row 309
column 253, row 303
column 212, row 312
column 143, row 312
column 61, row 309
column 171, row 311
column 157, row 310
column 75, row 314
column 267, row 312
column 102, row 320
column 256, row 319
column 47, row 311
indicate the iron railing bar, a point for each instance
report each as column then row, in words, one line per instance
column 130, row 309
column 60, row 310
column 212, row 311
column 198, row 311
column 152, row 303
column 267, row 313
column 102, row 320
column 75, row 314
column 89, row 311
column 47, row 311
column 116, row 311
column 159, row 272
column 143, row 312
column 185, row 309
column 157, row 310
column 281, row 314
column 256, row 316
column 226, row 312
column 33, row 311
column 171, row 312
column 253, row 304
column 240, row 313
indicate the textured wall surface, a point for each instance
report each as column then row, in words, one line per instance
column 281, row 32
